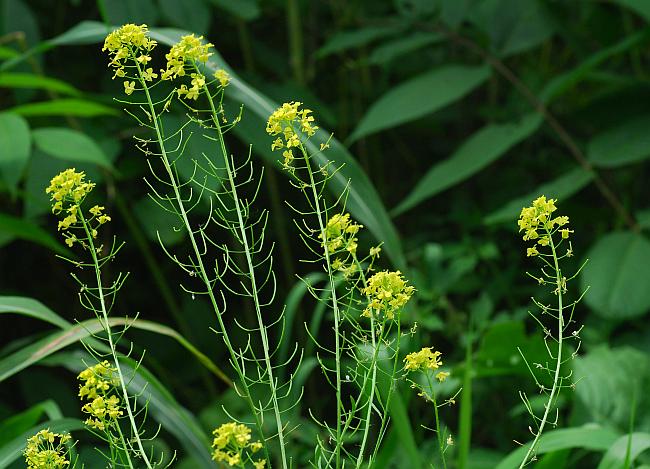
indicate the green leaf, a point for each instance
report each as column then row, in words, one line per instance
column 27, row 230
column 395, row 48
column 617, row 275
column 478, row 151
column 626, row 143
column 609, row 381
column 70, row 145
column 591, row 437
column 15, row 425
column 15, row 145
column 642, row 7
column 419, row 96
column 561, row 188
column 29, row 80
column 189, row 14
column 14, row 449
column 38, row 350
column 32, row 308
column 64, row 107
column 85, row 32
column 120, row 12
column 513, row 26
column 246, row 10
column 616, row 455
column 345, row 40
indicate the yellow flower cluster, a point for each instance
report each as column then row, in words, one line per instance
column 130, row 42
column 285, row 121
column 46, row 450
column 188, row 49
column 104, row 408
column 387, row 293
column 425, row 359
column 230, row 441
column 67, row 191
column 340, row 234
column 538, row 218
column 222, row 77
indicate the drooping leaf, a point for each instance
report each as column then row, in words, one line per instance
column 190, row 14
column 31, row 81
column 628, row 142
column 616, row 455
column 64, row 107
column 30, row 307
column 478, row 151
column 70, row 145
column 345, row 40
column 21, row 422
column 589, row 437
column 419, row 96
column 15, row 143
column 561, row 188
column 609, row 382
column 29, row 231
column 390, row 50
column 642, row 7
column 616, row 274
column 85, row 32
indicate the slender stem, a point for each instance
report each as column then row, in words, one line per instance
column 441, row 443
column 197, row 252
column 295, row 41
column 558, row 365
column 107, row 328
column 251, row 272
column 335, row 305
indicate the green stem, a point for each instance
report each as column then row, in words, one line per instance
column 335, row 305
column 107, row 328
column 251, row 273
column 465, row 430
column 197, row 252
column 441, row 443
column 558, row 365
column 295, row 41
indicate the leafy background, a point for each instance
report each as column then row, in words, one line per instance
column 450, row 115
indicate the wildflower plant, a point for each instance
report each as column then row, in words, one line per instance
column 228, row 187
column 49, row 450
column 548, row 236
column 104, row 390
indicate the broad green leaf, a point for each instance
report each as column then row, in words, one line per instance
column 513, row 26
column 64, row 107
column 345, row 40
column 419, row 96
column 120, row 12
column 40, row 349
column 7, row 53
column 628, row 142
column 17, row 424
column 363, row 201
column 29, row 80
column 246, row 10
column 478, row 151
column 27, row 230
column 189, row 14
column 85, row 32
column 15, row 145
column 643, row 218
column 14, row 449
column 561, row 188
column 70, row 145
column 617, row 276
column 615, row 457
column 395, row 48
column 32, row 308
column 609, row 381
column 589, row 437
column 642, row 7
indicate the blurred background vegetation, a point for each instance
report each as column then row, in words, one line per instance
column 451, row 116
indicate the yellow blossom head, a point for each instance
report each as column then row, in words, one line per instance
column 230, row 442
column 222, row 77
column 97, row 384
column 539, row 225
column 189, row 50
column 340, row 234
column 47, row 449
column 131, row 42
column 387, row 293
column 425, row 359
column 284, row 124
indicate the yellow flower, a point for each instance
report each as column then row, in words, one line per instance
column 223, row 77
column 128, row 42
column 442, row 375
column 188, row 49
column 260, row 464
column 129, row 87
column 230, row 441
column 41, row 452
column 530, row 252
column 374, row 251
column 340, row 234
column 286, row 121
column 149, row 74
column 538, row 219
column 425, row 359
column 387, row 293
